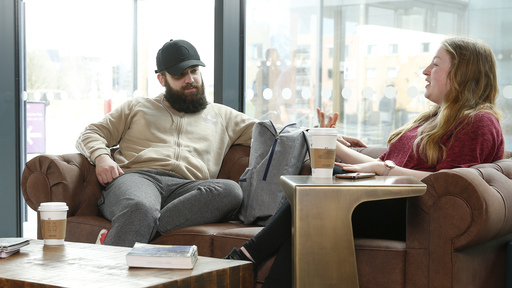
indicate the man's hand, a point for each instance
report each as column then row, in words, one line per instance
column 331, row 122
column 106, row 169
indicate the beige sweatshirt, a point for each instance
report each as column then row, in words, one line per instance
column 152, row 135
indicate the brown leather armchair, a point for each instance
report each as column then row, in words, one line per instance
column 454, row 235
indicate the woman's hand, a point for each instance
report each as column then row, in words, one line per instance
column 376, row 167
column 351, row 141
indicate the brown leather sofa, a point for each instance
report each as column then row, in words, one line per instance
column 454, row 235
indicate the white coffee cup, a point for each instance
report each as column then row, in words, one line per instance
column 53, row 217
column 322, row 151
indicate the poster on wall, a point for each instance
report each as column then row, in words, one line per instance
column 36, row 127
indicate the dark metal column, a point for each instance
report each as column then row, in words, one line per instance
column 229, row 53
column 11, row 116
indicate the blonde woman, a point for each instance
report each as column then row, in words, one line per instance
column 460, row 130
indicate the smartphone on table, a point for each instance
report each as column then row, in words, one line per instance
column 355, row 175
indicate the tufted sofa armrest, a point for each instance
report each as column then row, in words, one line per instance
column 66, row 178
column 464, row 212
column 476, row 200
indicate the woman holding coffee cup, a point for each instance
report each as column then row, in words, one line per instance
column 461, row 129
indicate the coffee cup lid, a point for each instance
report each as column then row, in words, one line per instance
column 323, row 131
column 53, row 206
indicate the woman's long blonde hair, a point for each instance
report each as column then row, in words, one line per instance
column 474, row 88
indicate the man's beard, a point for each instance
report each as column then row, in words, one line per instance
column 186, row 102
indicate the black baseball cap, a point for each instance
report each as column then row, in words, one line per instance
column 176, row 56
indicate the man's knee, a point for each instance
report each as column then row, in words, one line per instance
column 231, row 190
column 145, row 209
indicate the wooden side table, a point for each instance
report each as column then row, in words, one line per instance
column 323, row 242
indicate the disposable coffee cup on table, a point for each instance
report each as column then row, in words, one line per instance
column 53, row 217
column 322, row 151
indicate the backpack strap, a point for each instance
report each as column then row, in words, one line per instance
column 305, row 133
column 269, row 162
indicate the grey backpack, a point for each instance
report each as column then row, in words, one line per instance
column 273, row 154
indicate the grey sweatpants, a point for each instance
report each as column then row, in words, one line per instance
column 140, row 203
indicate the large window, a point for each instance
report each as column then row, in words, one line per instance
column 85, row 57
column 79, row 61
column 363, row 60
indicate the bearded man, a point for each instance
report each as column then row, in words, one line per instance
column 162, row 176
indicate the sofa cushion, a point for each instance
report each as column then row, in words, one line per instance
column 200, row 235
column 226, row 240
column 84, row 229
column 380, row 263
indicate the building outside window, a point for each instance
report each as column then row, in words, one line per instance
column 85, row 57
column 390, row 44
column 393, row 48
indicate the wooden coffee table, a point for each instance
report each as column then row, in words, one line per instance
column 89, row 265
column 323, row 243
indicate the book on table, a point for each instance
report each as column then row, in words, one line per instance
column 162, row 256
column 5, row 254
column 9, row 246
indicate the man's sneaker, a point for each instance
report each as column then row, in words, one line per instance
column 101, row 237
